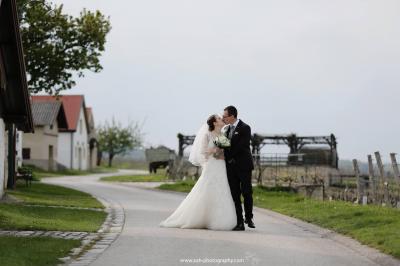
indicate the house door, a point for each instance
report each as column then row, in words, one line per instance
column 51, row 158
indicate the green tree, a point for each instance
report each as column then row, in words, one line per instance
column 114, row 139
column 59, row 47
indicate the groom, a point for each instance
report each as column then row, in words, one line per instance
column 239, row 165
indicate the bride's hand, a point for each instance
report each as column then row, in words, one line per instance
column 221, row 156
column 211, row 151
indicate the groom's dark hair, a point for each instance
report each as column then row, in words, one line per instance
column 231, row 110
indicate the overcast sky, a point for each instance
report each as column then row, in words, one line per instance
column 309, row 67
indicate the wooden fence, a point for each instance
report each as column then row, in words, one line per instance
column 379, row 188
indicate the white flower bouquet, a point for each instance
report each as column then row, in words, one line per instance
column 222, row 142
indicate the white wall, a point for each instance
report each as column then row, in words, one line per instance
column 18, row 147
column 39, row 145
column 64, row 149
column 80, row 142
column 2, row 157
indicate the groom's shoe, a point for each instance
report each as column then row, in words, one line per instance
column 239, row 227
column 250, row 223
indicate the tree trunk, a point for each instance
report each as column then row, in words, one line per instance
column 110, row 158
column 99, row 158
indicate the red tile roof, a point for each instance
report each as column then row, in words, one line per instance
column 72, row 106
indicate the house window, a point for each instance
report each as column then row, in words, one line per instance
column 51, row 127
column 80, row 126
column 26, row 153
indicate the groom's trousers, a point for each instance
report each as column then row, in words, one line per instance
column 240, row 184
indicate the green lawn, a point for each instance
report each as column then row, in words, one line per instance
column 183, row 186
column 39, row 173
column 136, row 178
column 44, row 194
column 21, row 251
column 371, row 225
column 120, row 163
column 19, row 217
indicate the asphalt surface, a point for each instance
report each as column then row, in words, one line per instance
column 277, row 240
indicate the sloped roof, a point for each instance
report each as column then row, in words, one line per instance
column 45, row 113
column 89, row 114
column 15, row 99
column 72, row 106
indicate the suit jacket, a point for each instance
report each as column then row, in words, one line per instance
column 239, row 154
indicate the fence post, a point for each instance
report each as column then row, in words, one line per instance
column 395, row 168
column 396, row 173
column 383, row 178
column 372, row 178
column 360, row 188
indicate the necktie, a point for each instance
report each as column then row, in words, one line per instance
column 231, row 131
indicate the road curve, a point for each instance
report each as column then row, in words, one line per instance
column 277, row 240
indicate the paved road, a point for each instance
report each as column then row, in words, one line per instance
column 277, row 240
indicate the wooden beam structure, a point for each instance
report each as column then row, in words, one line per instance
column 295, row 143
column 184, row 142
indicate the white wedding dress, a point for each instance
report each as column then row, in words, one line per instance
column 209, row 205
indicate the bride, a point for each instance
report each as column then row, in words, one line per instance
column 209, row 205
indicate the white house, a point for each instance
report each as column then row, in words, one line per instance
column 41, row 149
column 15, row 108
column 93, row 142
column 73, row 142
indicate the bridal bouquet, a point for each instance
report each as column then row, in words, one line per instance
column 222, row 142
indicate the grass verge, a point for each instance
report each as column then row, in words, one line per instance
column 136, row 178
column 371, row 225
column 39, row 173
column 35, row 251
column 183, row 186
column 19, row 217
column 51, row 195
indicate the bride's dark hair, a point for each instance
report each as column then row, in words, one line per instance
column 210, row 122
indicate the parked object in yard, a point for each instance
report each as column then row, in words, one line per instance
column 160, row 157
column 26, row 174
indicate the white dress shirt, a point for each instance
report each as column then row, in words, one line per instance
column 233, row 127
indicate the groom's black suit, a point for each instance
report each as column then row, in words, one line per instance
column 239, row 165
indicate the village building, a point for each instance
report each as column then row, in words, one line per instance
column 41, row 149
column 15, row 108
column 93, row 143
column 74, row 140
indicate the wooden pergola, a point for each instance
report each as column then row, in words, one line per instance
column 294, row 142
column 184, row 142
